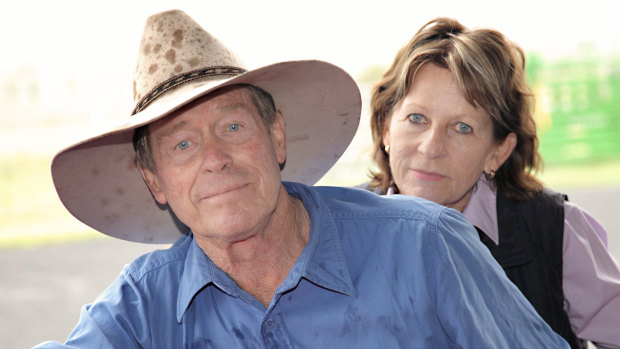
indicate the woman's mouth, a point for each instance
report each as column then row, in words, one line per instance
column 427, row 176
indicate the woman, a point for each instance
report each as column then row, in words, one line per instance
column 452, row 122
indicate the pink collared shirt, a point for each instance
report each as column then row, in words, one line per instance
column 591, row 276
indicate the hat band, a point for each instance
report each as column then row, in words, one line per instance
column 183, row 78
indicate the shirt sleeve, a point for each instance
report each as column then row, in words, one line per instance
column 476, row 303
column 591, row 279
column 109, row 322
column 87, row 334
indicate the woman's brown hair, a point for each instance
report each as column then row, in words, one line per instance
column 490, row 72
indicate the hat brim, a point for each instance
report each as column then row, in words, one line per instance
column 98, row 182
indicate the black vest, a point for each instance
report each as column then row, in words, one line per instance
column 531, row 235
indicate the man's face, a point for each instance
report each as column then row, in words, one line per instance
column 217, row 165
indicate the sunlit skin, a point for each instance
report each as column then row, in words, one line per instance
column 440, row 144
column 217, row 166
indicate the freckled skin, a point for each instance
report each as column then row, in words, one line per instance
column 246, row 161
column 218, row 167
column 439, row 143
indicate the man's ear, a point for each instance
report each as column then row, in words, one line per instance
column 278, row 138
column 152, row 181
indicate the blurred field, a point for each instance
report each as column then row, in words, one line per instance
column 31, row 213
column 577, row 115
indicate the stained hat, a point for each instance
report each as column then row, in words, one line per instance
column 97, row 179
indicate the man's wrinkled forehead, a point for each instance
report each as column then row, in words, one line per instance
column 243, row 99
column 242, row 102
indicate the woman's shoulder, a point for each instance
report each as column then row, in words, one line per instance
column 368, row 186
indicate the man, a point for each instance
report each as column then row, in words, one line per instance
column 267, row 263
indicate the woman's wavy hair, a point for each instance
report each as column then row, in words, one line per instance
column 490, row 72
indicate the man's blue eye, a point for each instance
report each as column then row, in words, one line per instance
column 463, row 128
column 233, row 128
column 183, row 145
column 416, row 118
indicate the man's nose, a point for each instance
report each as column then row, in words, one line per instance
column 215, row 155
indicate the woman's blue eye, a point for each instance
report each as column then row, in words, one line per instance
column 183, row 145
column 416, row 118
column 463, row 128
column 233, row 127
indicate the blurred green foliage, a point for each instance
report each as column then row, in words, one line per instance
column 577, row 106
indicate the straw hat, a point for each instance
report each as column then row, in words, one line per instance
column 97, row 179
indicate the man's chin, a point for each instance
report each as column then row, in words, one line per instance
column 224, row 221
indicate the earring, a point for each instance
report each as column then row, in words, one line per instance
column 387, row 149
column 491, row 174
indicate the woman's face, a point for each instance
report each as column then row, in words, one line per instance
column 439, row 144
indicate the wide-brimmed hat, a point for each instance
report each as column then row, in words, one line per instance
column 97, row 179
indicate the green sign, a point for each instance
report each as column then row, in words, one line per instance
column 577, row 108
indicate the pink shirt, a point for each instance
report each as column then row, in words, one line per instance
column 591, row 276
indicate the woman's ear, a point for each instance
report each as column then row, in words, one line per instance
column 386, row 138
column 152, row 181
column 501, row 152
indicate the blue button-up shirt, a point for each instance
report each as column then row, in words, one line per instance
column 378, row 272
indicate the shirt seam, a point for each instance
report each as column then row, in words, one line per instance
column 401, row 214
column 431, row 274
column 139, row 273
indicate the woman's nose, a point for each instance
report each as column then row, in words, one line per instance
column 432, row 144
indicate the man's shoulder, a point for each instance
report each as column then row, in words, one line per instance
column 359, row 203
column 166, row 260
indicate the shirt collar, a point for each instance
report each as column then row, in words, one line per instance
column 321, row 261
column 197, row 273
column 481, row 210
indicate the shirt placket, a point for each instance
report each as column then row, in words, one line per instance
column 274, row 332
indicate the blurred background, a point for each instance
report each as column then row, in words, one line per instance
column 66, row 69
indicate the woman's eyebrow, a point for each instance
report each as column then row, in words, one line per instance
column 413, row 104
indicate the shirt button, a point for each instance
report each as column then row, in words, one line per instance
column 270, row 323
